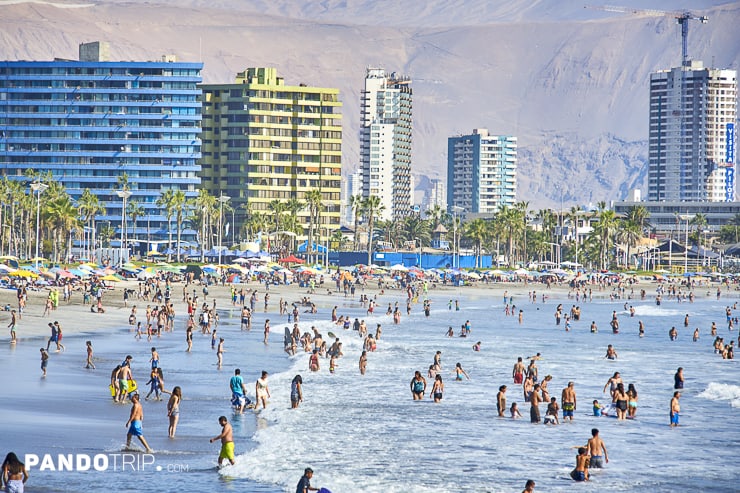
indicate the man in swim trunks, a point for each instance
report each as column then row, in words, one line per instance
column 580, row 473
column 568, row 401
column 227, row 441
column 518, row 372
column 675, row 408
column 597, row 449
column 534, row 400
column 238, row 391
column 134, row 423
column 304, row 485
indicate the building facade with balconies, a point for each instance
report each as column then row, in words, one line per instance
column 481, row 171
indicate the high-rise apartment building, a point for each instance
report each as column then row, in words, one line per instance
column 693, row 111
column 266, row 141
column 385, row 141
column 90, row 121
column 481, row 171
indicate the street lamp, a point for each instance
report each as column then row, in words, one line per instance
column 123, row 194
column 420, row 251
column 455, row 210
column 39, row 188
column 686, row 217
column 222, row 199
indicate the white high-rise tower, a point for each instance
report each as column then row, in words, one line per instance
column 385, row 141
column 693, row 111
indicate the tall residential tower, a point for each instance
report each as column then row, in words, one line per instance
column 90, row 121
column 385, row 141
column 693, row 111
column 481, row 171
column 264, row 141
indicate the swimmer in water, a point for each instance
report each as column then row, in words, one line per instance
column 459, row 372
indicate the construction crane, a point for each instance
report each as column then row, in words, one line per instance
column 682, row 18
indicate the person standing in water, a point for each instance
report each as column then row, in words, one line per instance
column 437, row 389
column 363, row 362
column 296, row 391
column 675, row 408
column 173, row 410
column 134, row 423
column 90, row 364
column 227, row 441
column 262, row 391
column 14, row 474
column 418, row 386
column 44, row 360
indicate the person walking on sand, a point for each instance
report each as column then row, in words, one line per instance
column 134, row 423
column 90, row 364
column 227, row 441
column 261, row 391
column 11, row 326
column 173, row 410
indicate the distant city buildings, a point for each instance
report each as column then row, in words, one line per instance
column 266, row 141
column 351, row 187
column 91, row 120
column 435, row 195
column 385, row 141
column 481, row 171
column 693, row 112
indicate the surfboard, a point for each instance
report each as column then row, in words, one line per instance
column 132, row 387
column 287, row 337
column 331, row 334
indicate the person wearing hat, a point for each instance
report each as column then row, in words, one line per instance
column 304, row 485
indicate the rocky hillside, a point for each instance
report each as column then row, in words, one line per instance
column 570, row 82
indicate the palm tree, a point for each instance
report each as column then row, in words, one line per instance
column 135, row 210
column 436, row 215
column 604, row 231
column 313, row 200
column 371, row 208
column 629, row 233
column 179, row 202
column 478, row 231
column 205, row 207
column 166, row 202
column 62, row 216
column 277, row 207
column 639, row 215
column 90, row 206
column 355, row 202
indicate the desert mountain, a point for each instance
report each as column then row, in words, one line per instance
column 570, row 83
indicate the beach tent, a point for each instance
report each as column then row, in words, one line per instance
column 291, row 259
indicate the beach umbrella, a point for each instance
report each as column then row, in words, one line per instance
column 23, row 273
column 5, row 269
column 291, row 259
column 241, row 261
column 521, row 272
column 399, row 268
column 473, row 275
column 110, row 277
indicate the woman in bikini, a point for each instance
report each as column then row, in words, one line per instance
column 173, row 410
column 437, row 389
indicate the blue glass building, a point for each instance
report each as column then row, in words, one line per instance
column 91, row 121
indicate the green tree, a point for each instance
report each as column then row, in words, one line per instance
column 313, row 201
column 182, row 211
column 167, row 204
column 356, row 202
column 90, row 206
column 135, row 210
column 62, row 216
column 371, row 207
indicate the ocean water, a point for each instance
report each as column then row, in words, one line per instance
column 364, row 433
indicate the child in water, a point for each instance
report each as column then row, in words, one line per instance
column 514, row 410
column 599, row 410
column 154, row 384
